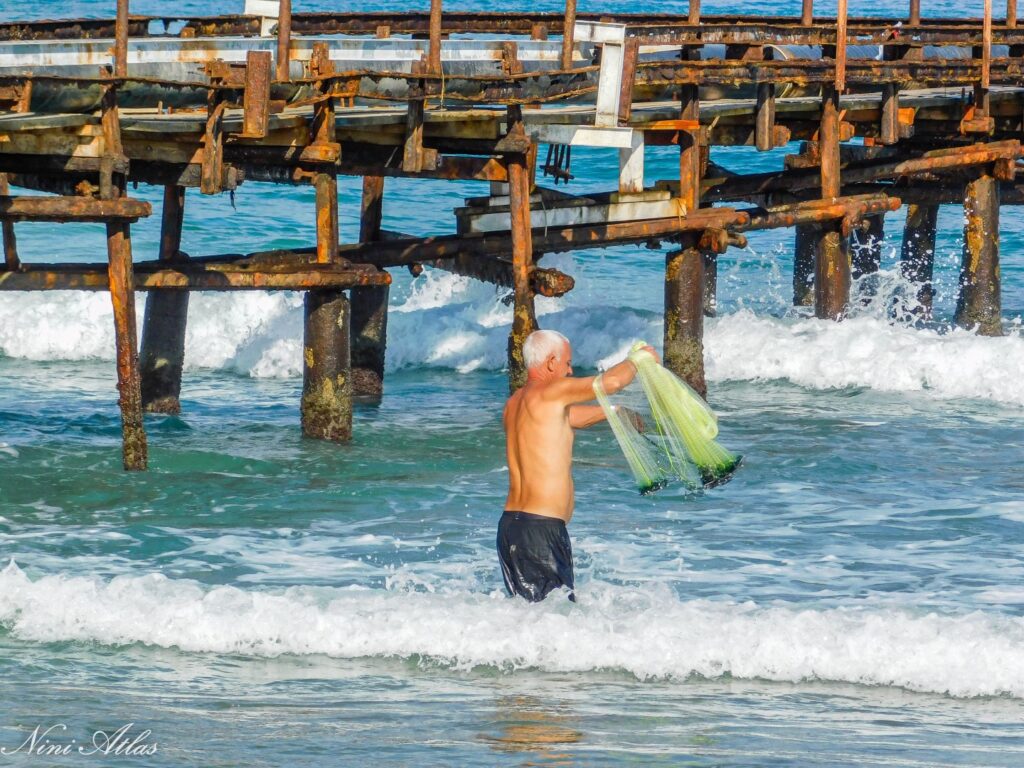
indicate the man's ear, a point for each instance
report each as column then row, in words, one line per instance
column 552, row 362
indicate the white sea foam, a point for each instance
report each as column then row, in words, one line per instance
column 866, row 352
column 259, row 334
column 650, row 634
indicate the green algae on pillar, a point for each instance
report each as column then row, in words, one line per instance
column 326, row 408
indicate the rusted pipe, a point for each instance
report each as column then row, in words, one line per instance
column 807, row 13
column 121, row 40
column 693, row 12
column 1011, row 14
column 986, row 46
column 434, row 52
column 284, row 39
column 568, row 32
column 841, row 46
column 914, row 18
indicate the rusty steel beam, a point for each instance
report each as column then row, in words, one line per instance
column 935, row 161
column 839, row 209
column 544, row 239
column 120, row 283
column 193, row 276
column 256, row 105
column 20, row 208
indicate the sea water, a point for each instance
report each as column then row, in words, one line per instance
column 855, row 596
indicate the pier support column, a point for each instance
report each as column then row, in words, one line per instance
column 524, row 319
column 917, row 254
column 684, row 315
column 326, row 383
column 832, row 255
column 10, row 241
column 122, row 296
column 805, row 246
column 369, row 304
column 979, row 303
column 867, row 257
column 710, row 284
column 163, row 328
column 326, row 409
column 832, row 273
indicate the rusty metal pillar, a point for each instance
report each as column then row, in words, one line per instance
column 121, row 40
column 979, row 303
column 807, row 13
column 685, row 283
column 163, row 328
column 832, row 274
column 369, row 303
column 917, row 254
column 832, row 257
column 122, row 295
column 524, row 319
column 434, row 49
column 569, row 22
column 684, row 314
column 867, row 256
column 284, row 39
column 326, row 409
column 805, row 245
column 326, row 383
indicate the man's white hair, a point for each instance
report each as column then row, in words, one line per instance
column 540, row 345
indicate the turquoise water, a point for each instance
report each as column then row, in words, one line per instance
column 855, row 596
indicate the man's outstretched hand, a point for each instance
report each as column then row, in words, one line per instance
column 653, row 352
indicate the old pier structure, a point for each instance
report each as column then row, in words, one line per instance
column 89, row 106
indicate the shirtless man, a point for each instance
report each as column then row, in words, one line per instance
column 533, row 543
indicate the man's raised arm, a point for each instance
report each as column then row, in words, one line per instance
column 580, row 390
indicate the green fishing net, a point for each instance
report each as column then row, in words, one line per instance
column 677, row 441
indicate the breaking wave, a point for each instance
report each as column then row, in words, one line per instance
column 650, row 634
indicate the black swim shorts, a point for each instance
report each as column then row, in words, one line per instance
column 535, row 555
